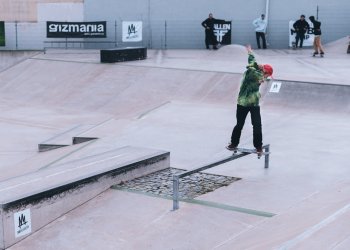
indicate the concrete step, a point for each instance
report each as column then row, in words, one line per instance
column 42, row 160
column 29, row 202
column 104, row 129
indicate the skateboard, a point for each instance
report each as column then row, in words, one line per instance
column 252, row 151
column 321, row 55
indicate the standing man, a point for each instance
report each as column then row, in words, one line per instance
column 248, row 101
column 317, row 32
column 210, row 38
column 300, row 27
column 260, row 30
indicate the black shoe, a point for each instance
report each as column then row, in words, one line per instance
column 231, row 147
column 315, row 53
column 215, row 47
column 259, row 151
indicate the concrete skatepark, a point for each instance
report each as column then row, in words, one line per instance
column 183, row 102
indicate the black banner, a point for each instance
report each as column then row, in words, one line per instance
column 222, row 32
column 2, row 33
column 76, row 29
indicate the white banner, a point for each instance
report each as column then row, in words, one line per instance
column 23, row 223
column 132, row 31
column 309, row 35
column 275, row 87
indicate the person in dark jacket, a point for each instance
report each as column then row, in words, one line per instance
column 317, row 32
column 210, row 38
column 301, row 27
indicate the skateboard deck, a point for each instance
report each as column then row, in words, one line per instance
column 252, row 151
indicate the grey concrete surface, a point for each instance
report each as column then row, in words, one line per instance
column 54, row 191
column 183, row 101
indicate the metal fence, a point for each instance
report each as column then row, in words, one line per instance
column 157, row 34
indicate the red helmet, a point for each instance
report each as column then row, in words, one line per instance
column 268, row 69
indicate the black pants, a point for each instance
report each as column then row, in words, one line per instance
column 299, row 36
column 262, row 36
column 241, row 115
column 210, row 39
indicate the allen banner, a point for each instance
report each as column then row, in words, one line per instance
column 76, row 29
column 132, row 31
column 222, row 31
column 2, row 33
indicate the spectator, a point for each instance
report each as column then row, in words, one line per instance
column 210, row 38
column 260, row 30
column 300, row 27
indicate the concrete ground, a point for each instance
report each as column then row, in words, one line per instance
column 183, row 101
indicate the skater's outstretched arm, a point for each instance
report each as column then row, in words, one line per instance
column 251, row 57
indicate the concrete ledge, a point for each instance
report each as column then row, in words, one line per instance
column 32, row 201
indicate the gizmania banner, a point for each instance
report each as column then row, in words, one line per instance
column 76, row 29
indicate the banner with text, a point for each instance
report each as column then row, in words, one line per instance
column 222, row 32
column 76, row 29
column 309, row 35
column 2, row 33
column 132, row 31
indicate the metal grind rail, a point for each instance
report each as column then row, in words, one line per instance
column 176, row 177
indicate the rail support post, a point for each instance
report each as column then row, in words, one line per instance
column 175, row 192
column 267, row 156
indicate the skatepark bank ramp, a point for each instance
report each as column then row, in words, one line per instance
column 188, row 111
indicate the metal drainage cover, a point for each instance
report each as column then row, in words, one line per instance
column 161, row 183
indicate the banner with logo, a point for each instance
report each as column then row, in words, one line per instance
column 76, row 29
column 132, row 31
column 309, row 35
column 222, row 31
column 2, row 33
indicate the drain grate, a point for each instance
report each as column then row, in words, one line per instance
column 161, row 183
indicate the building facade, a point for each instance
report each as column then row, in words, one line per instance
column 166, row 24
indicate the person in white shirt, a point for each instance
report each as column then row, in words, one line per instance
column 260, row 25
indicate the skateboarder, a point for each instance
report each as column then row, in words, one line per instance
column 248, row 101
column 317, row 32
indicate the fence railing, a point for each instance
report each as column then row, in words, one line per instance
column 156, row 34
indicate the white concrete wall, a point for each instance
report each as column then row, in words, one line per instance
column 70, row 12
column 177, row 24
column 184, row 17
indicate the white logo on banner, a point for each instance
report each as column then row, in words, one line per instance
column 132, row 31
column 309, row 36
column 23, row 223
column 275, row 87
column 220, row 31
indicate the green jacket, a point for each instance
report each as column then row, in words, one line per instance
column 249, row 94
